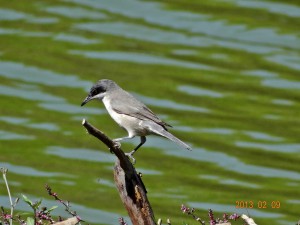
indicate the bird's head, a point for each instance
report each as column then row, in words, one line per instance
column 99, row 90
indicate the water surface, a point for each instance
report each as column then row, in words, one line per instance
column 224, row 74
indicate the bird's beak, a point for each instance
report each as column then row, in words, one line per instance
column 86, row 100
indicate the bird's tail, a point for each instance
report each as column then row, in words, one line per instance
column 171, row 137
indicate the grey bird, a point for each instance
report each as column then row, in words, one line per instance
column 131, row 114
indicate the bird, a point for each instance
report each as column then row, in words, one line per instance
column 130, row 113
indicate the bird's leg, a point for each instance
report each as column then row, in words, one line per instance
column 130, row 154
column 117, row 143
column 118, row 140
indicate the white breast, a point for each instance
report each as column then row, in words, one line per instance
column 116, row 116
column 133, row 125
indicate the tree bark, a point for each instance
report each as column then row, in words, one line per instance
column 129, row 184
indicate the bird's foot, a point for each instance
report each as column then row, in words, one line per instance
column 116, row 144
column 130, row 156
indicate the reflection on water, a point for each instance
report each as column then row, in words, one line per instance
column 262, row 136
column 217, row 130
column 5, row 31
column 291, row 60
column 36, row 75
column 8, row 14
column 26, row 122
column 167, row 37
column 149, row 172
column 221, row 159
column 108, row 183
column 281, row 83
column 7, row 135
column 276, row 7
column 220, row 130
column 11, row 183
column 82, row 154
column 270, row 79
column 68, row 108
column 44, row 126
column 31, row 93
column 199, row 91
column 164, row 103
column 230, row 181
column 184, row 52
column 75, row 38
column 151, row 12
column 168, row 196
column 286, row 148
column 283, row 102
column 261, row 73
column 75, row 12
column 11, row 15
column 143, row 33
column 28, row 171
column 294, row 201
column 139, row 58
column 62, row 182
column 196, row 23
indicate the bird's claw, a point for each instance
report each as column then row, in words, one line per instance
column 130, row 156
column 117, row 144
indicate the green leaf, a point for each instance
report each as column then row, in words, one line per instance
column 27, row 200
column 52, row 208
column 30, row 221
column 37, row 204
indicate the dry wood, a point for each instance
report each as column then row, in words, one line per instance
column 71, row 221
column 130, row 186
column 248, row 220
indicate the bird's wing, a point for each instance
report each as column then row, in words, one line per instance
column 130, row 106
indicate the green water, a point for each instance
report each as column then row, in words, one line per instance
column 225, row 74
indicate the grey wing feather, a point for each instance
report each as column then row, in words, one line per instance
column 130, row 106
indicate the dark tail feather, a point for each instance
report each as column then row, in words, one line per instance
column 171, row 137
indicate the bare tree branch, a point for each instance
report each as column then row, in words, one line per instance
column 130, row 186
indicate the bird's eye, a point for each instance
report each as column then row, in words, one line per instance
column 95, row 92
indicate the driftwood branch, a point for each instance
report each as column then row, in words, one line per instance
column 129, row 184
column 71, row 221
column 248, row 220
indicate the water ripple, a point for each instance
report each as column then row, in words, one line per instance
column 6, row 135
column 199, row 91
column 283, row 148
column 164, row 103
column 29, row 171
column 20, row 71
column 75, row 12
column 226, row 162
column 154, row 13
column 140, row 58
column 80, row 153
column 274, row 7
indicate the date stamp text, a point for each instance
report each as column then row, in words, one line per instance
column 241, row 204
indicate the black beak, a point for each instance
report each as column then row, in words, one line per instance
column 86, row 100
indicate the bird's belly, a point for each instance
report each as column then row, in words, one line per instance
column 134, row 126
